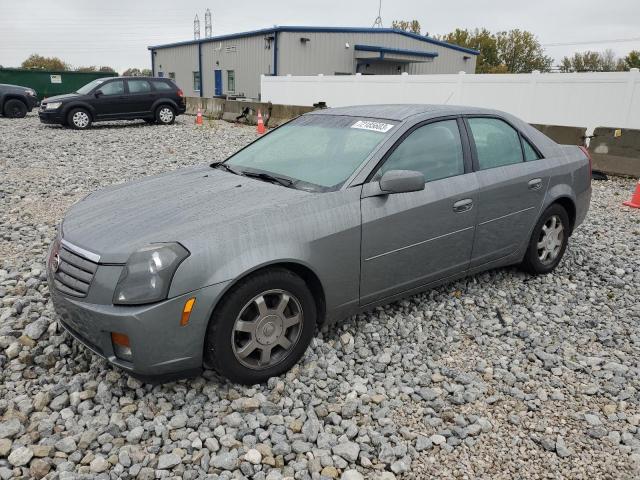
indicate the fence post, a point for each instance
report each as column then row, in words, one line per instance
column 533, row 89
column 634, row 76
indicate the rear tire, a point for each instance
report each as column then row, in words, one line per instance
column 548, row 241
column 15, row 108
column 262, row 327
column 79, row 119
column 165, row 115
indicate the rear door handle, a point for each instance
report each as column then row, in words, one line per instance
column 463, row 205
column 535, row 184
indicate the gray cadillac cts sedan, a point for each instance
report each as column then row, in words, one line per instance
column 233, row 265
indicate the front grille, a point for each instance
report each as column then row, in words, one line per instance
column 74, row 273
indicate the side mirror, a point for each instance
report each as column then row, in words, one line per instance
column 401, row 181
column 98, row 93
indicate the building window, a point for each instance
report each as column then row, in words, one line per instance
column 172, row 75
column 231, row 81
column 196, row 81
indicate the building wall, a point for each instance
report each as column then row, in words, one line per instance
column 326, row 53
column 181, row 60
column 247, row 57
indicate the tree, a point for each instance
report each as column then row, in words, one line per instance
column 412, row 26
column 633, row 59
column 481, row 40
column 107, row 69
column 132, row 72
column 91, row 68
column 45, row 63
column 521, row 52
column 590, row 61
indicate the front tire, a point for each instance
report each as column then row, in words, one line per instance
column 79, row 119
column 262, row 327
column 548, row 241
column 165, row 115
column 15, row 108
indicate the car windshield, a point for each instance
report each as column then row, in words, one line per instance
column 315, row 152
column 90, row 86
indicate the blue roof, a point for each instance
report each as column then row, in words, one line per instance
column 397, row 51
column 273, row 30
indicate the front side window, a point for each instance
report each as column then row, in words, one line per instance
column 231, row 80
column 434, row 149
column 497, row 143
column 113, row 88
column 317, row 152
column 196, row 81
column 90, row 86
column 139, row 86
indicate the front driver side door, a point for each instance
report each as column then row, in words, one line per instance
column 112, row 102
column 414, row 239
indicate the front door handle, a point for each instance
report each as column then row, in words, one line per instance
column 535, row 184
column 463, row 205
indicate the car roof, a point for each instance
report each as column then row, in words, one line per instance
column 400, row 112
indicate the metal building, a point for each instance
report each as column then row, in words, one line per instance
column 231, row 65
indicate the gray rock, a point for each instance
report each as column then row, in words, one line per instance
column 20, row 456
column 351, row 475
column 347, row 450
column 66, row 445
column 10, row 428
column 99, row 465
column 226, row 461
column 168, row 461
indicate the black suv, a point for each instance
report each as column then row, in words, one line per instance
column 156, row 100
column 16, row 101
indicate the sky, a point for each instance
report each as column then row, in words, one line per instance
column 117, row 32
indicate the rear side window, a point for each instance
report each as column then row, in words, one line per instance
column 113, row 88
column 529, row 152
column 497, row 143
column 434, row 149
column 139, row 86
column 161, row 86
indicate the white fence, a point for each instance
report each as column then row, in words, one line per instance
column 571, row 99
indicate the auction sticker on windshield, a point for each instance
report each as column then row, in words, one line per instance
column 375, row 126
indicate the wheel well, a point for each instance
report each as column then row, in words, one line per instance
column 309, row 277
column 13, row 97
column 570, row 208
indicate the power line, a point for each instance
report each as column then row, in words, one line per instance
column 591, row 42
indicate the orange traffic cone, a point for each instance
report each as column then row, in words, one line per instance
column 199, row 117
column 635, row 198
column 260, row 127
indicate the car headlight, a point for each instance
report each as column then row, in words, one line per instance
column 53, row 105
column 31, row 93
column 146, row 277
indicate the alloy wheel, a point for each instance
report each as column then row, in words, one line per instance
column 165, row 114
column 267, row 329
column 80, row 119
column 551, row 240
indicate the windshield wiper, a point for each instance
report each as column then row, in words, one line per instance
column 226, row 167
column 285, row 182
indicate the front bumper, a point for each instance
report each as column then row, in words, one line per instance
column 51, row 116
column 162, row 349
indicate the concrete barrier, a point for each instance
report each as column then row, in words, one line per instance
column 616, row 151
column 563, row 135
column 230, row 110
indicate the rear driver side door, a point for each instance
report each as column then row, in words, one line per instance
column 413, row 239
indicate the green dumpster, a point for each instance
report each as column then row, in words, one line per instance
column 49, row 82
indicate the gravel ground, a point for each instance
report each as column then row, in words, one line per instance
column 501, row 375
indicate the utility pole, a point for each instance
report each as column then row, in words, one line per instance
column 208, row 28
column 196, row 28
column 378, row 21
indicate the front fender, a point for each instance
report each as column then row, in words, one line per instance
column 67, row 108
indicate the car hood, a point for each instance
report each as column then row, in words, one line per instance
column 60, row 98
column 180, row 206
